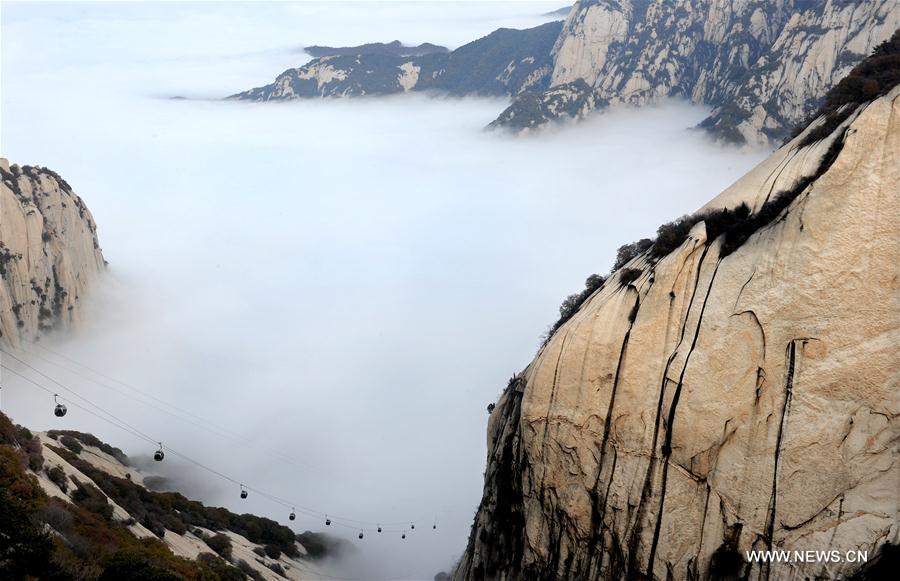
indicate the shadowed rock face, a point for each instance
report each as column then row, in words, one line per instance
column 505, row 62
column 763, row 65
column 49, row 252
column 719, row 402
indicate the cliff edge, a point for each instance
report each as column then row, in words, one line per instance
column 49, row 252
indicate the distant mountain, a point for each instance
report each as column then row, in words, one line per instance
column 506, row 62
column 762, row 65
column 49, row 252
column 395, row 48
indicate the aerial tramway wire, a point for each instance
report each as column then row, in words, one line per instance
column 114, row 420
column 199, row 423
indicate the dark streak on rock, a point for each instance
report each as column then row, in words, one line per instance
column 667, row 445
column 788, row 390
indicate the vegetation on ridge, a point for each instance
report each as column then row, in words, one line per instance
column 873, row 77
column 89, row 440
column 159, row 511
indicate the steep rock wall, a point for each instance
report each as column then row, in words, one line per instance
column 719, row 403
column 763, row 65
column 49, row 252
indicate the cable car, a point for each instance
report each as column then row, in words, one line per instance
column 379, row 528
column 159, row 455
column 434, row 527
column 412, row 526
column 327, row 522
column 243, row 491
column 60, row 410
column 403, row 536
column 360, row 534
column 293, row 516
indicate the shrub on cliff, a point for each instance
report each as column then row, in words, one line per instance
column 130, row 565
column 221, row 544
column 629, row 275
column 17, row 436
column 89, row 497
column 58, row 477
column 221, row 569
column 25, row 548
column 245, row 568
column 573, row 302
column 71, row 443
column 627, row 252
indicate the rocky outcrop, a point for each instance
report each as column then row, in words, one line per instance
column 506, row 62
column 574, row 100
column 733, row 387
column 49, row 252
column 764, row 66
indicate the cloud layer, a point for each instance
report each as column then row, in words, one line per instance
column 343, row 285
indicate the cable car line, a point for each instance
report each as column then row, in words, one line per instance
column 209, row 426
column 244, row 489
column 121, row 426
column 196, row 418
column 73, row 392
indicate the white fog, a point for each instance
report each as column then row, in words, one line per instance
column 345, row 284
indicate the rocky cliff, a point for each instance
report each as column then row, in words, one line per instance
column 763, row 65
column 732, row 387
column 506, row 62
column 49, row 252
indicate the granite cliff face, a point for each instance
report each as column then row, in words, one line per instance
column 734, row 391
column 763, row 65
column 49, row 252
column 506, row 62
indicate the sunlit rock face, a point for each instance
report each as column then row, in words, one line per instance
column 719, row 402
column 49, row 253
column 762, row 64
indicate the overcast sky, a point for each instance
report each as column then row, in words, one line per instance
column 343, row 285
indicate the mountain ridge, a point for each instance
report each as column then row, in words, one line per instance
column 505, row 62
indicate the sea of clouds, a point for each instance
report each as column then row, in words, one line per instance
column 343, row 286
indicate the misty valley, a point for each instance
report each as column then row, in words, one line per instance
column 449, row 290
